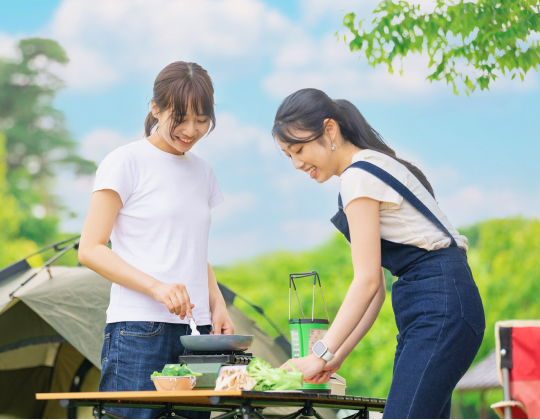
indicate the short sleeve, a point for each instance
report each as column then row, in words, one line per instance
column 117, row 173
column 357, row 183
column 215, row 197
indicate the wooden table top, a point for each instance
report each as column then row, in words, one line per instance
column 216, row 398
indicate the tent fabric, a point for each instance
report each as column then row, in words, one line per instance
column 18, row 389
column 483, row 375
column 21, row 327
column 67, row 363
column 29, row 356
column 73, row 302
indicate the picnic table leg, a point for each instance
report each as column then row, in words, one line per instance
column 97, row 411
column 247, row 409
column 228, row 414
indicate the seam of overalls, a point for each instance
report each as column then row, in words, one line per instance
column 434, row 350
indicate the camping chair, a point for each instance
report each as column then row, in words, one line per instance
column 518, row 367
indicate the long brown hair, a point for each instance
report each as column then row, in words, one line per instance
column 179, row 86
column 307, row 109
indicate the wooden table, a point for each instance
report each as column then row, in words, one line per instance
column 246, row 404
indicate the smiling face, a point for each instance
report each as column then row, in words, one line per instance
column 188, row 132
column 315, row 157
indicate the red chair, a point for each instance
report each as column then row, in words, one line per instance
column 518, row 367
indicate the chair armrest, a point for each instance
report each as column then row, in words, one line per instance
column 515, row 405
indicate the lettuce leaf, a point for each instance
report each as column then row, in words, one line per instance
column 176, row 370
column 273, row 379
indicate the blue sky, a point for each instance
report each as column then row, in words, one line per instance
column 480, row 153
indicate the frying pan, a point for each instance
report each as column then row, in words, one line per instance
column 217, row 342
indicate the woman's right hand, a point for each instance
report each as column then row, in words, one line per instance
column 329, row 369
column 174, row 296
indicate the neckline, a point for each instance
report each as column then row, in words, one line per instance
column 160, row 153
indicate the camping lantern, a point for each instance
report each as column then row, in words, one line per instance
column 305, row 332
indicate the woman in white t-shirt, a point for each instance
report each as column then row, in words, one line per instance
column 153, row 198
column 387, row 211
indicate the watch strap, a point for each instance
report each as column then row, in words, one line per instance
column 327, row 356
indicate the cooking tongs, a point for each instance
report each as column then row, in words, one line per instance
column 316, row 280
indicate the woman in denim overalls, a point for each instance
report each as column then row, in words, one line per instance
column 437, row 305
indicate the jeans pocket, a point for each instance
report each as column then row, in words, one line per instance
column 472, row 309
column 105, row 349
column 142, row 329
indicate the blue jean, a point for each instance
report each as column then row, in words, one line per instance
column 440, row 319
column 132, row 351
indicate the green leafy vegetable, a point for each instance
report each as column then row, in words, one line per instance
column 176, row 370
column 269, row 378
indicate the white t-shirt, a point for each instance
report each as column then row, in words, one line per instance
column 400, row 221
column 162, row 228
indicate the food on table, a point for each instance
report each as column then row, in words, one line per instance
column 176, row 370
column 273, row 379
column 234, row 379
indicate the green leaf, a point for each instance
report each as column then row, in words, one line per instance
column 489, row 35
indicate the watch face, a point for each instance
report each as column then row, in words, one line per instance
column 319, row 348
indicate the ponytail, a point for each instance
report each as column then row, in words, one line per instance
column 307, row 109
column 357, row 131
column 149, row 124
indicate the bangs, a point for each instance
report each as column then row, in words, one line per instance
column 194, row 95
column 282, row 132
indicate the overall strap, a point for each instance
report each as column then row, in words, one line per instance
column 401, row 190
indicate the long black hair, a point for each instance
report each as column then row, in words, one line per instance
column 307, row 109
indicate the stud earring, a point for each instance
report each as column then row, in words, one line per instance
column 333, row 146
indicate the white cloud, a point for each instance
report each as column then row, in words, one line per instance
column 473, row 203
column 75, row 193
column 230, row 138
column 225, row 249
column 100, row 142
column 329, row 65
column 109, row 41
column 7, row 46
column 234, row 205
column 315, row 10
column 301, row 233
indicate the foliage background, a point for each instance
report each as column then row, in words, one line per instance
column 503, row 258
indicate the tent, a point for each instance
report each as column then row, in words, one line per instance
column 481, row 378
column 51, row 333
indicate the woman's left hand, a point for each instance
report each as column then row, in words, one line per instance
column 221, row 321
column 311, row 366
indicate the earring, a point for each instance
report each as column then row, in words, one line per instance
column 333, row 146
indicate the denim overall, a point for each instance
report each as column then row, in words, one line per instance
column 438, row 312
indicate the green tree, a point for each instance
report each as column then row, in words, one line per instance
column 468, row 42
column 38, row 142
column 12, row 247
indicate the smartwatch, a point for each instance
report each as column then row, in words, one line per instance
column 320, row 350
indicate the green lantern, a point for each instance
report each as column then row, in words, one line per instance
column 305, row 332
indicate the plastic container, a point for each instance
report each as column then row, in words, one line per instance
column 174, row 383
column 338, row 385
